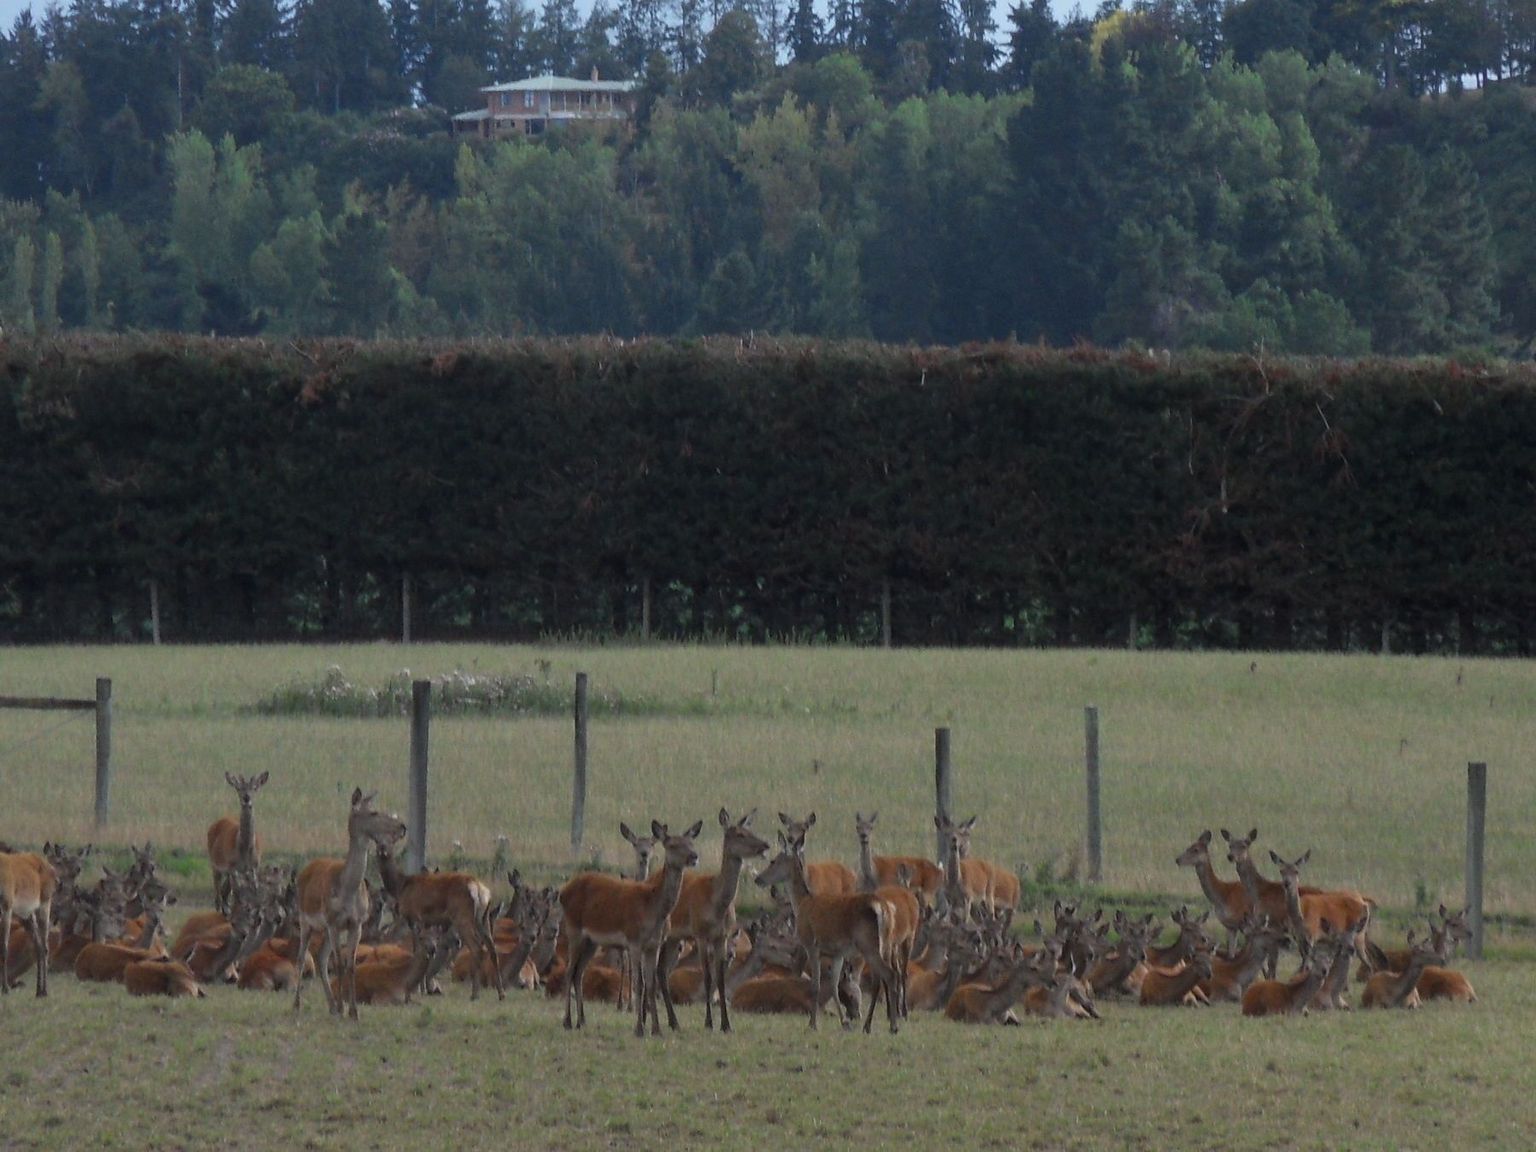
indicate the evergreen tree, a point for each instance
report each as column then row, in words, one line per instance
column 805, row 33
column 1031, row 39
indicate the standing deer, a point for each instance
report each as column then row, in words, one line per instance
column 27, row 886
column 1002, row 886
column 835, row 926
column 607, row 910
column 440, row 900
column 1309, row 910
column 826, row 877
column 924, row 876
column 333, row 900
column 1229, row 898
column 234, row 844
column 706, row 914
column 965, row 881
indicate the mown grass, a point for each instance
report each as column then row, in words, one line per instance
column 1363, row 759
column 92, row 1067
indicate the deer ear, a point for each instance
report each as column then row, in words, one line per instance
column 725, row 818
column 625, row 832
column 746, row 821
column 692, row 833
column 230, row 780
column 1305, row 856
column 1205, row 837
column 784, row 820
column 658, row 830
column 1275, row 856
column 1225, row 835
column 260, row 780
column 810, row 821
column 357, row 796
column 1253, row 834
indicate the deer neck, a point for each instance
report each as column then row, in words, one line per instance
column 390, row 875
column 350, row 878
column 1298, row 923
column 151, row 929
column 722, row 897
column 1305, row 986
column 954, row 886
column 1209, row 884
column 1403, row 987
column 1252, row 882
column 245, row 840
column 867, row 878
column 664, row 888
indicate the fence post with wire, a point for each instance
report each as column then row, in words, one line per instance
column 102, row 706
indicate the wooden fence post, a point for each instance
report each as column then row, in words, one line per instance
column 1477, row 807
column 405, row 608
column 1095, row 824
column 416, row 818
column 579, row 786
column 942, row 779
column 154, row 611
column 103, row 751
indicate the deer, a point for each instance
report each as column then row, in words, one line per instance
column 27, row 887
column 1163, row 987
column 161, row 976
column 1345, row 943
column 332, row 900
column 706, row 914
column 608, row 910
column 454, row 900
column 1231, row 974
column 835, row 926
column 1192, row 938
column 826, row 877
column 1122, row 970
column 1229, row 898
column 793, row 995
column 390, row 978
column 1002, row 886
column 923, row 875
column 1288, row 997
column 1264, row 895
column 980, row 1004
column 1400, row 989
column 1308, row 911
column 965, row 881
column 233, row 844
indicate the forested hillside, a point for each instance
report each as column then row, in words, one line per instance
column 1310, row 176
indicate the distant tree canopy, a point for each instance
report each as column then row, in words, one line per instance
column 1314, row 177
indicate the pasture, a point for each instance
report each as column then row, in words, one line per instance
column 1362, row 759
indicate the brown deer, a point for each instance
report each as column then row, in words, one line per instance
column 233, row 844
column 1163, row 987
column 1288, row 997
column 1122, row 970
column 837, row 927
column 391, row 976
column 794, row 995
column 161, row 976
column 1400, row 989
column 981, row 1004
column 1002, row 886
column 1192, row 938
column 27, row 886
column 923, row 876
column 1229, row 898
column 1307, row 911
column 826, row 877
column 1231, row 974
column 1345, row 943
column 608, row 910
column 333, row 900
column 965, row 881
column 454, row 900
column 706, row 914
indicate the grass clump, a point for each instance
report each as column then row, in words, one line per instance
column 456, row 693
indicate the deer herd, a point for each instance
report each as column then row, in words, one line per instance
column 924, row 936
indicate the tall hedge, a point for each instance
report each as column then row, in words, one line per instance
column 999, row 494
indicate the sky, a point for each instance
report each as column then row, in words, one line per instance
column 10, row 9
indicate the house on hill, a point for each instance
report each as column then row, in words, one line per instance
column 532, row 107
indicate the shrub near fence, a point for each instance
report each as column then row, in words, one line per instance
column 996, row 494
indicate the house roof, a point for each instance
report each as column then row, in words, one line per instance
column 548, row 83
column 477, row 114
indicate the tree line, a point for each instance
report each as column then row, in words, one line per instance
column 1301, row 176
column 754, row 488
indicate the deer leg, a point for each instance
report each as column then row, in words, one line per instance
column 5, row 948
column 488, row 938
column 323, row 971
column 661, row 984
column 575, row 970
column 813, row 956
column 717, row 957
column 298, row 961
column 350, row 942
column 39, row 930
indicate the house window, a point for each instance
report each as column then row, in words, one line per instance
column 506, row 99
column 528, row 100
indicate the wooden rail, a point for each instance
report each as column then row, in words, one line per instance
column 102, row 706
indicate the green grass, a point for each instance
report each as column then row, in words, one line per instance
column 92, row 1067
column 1363, row 759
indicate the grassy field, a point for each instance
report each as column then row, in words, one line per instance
column 93, row 1067
column 1362, row 759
